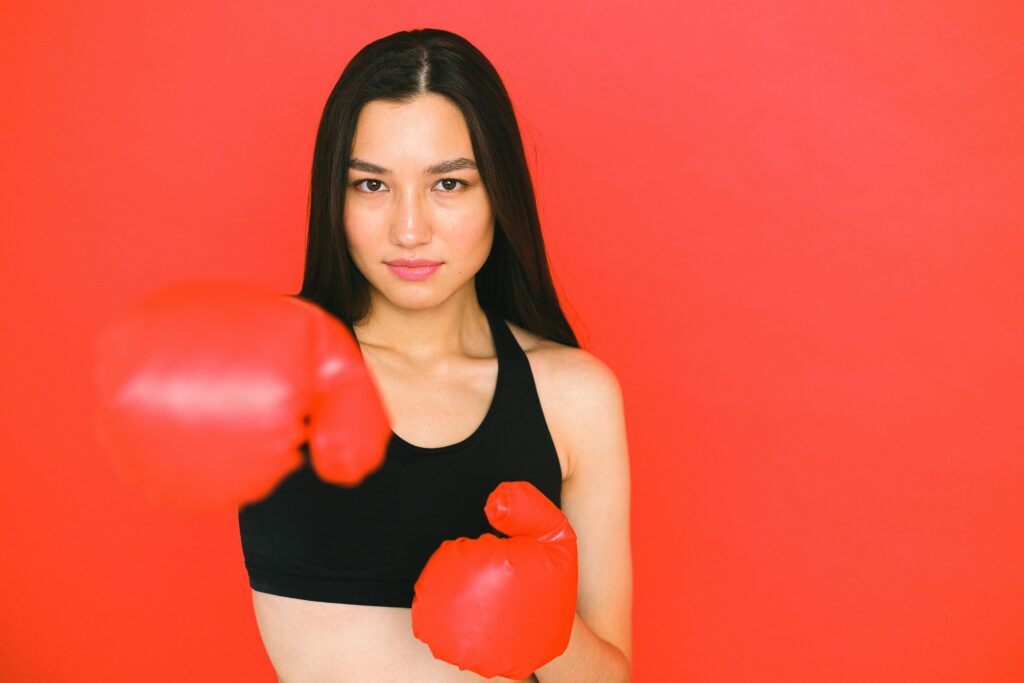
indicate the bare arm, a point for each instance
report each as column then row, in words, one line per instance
column 596, row 499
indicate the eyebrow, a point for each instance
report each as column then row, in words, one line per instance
column 442, row 167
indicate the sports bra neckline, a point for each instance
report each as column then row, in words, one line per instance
column 500, row 353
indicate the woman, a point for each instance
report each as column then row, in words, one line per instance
column 424, row 239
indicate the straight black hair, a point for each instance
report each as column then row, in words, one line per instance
column 515, row 280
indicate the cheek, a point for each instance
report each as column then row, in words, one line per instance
column 478, row 248
column 359, row 229
column 471, row 242
column 475, row 225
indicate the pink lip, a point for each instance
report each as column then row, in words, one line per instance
column 404, row 270
column 412, row 262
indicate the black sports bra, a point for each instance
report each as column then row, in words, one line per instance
column 367, row 544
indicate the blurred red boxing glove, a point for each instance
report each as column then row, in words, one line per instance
column 206, row 391
column 502, row 606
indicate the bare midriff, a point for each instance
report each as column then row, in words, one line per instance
column 326, row 642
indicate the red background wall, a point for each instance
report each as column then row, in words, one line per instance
column 794, row 231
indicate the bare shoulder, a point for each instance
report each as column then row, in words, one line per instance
column 573, row 385
column 585, row 400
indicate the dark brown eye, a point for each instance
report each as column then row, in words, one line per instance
column 369, row 181
column 449, row 187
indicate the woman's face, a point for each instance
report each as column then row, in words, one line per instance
column 414, row 192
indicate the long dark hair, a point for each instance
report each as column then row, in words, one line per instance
column 515, row 281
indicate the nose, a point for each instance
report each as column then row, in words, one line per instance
column 410, row 224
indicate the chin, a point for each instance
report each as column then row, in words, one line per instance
column 414, row 301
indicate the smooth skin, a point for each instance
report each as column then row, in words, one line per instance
column 429, row 348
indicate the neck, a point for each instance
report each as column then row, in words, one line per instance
column 427, row 337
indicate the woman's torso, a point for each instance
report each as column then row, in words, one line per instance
column 332, row 642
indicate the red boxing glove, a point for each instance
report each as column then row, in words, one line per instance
column 502, row 606
column 206, row 391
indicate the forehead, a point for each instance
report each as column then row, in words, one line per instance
column 428, row 126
